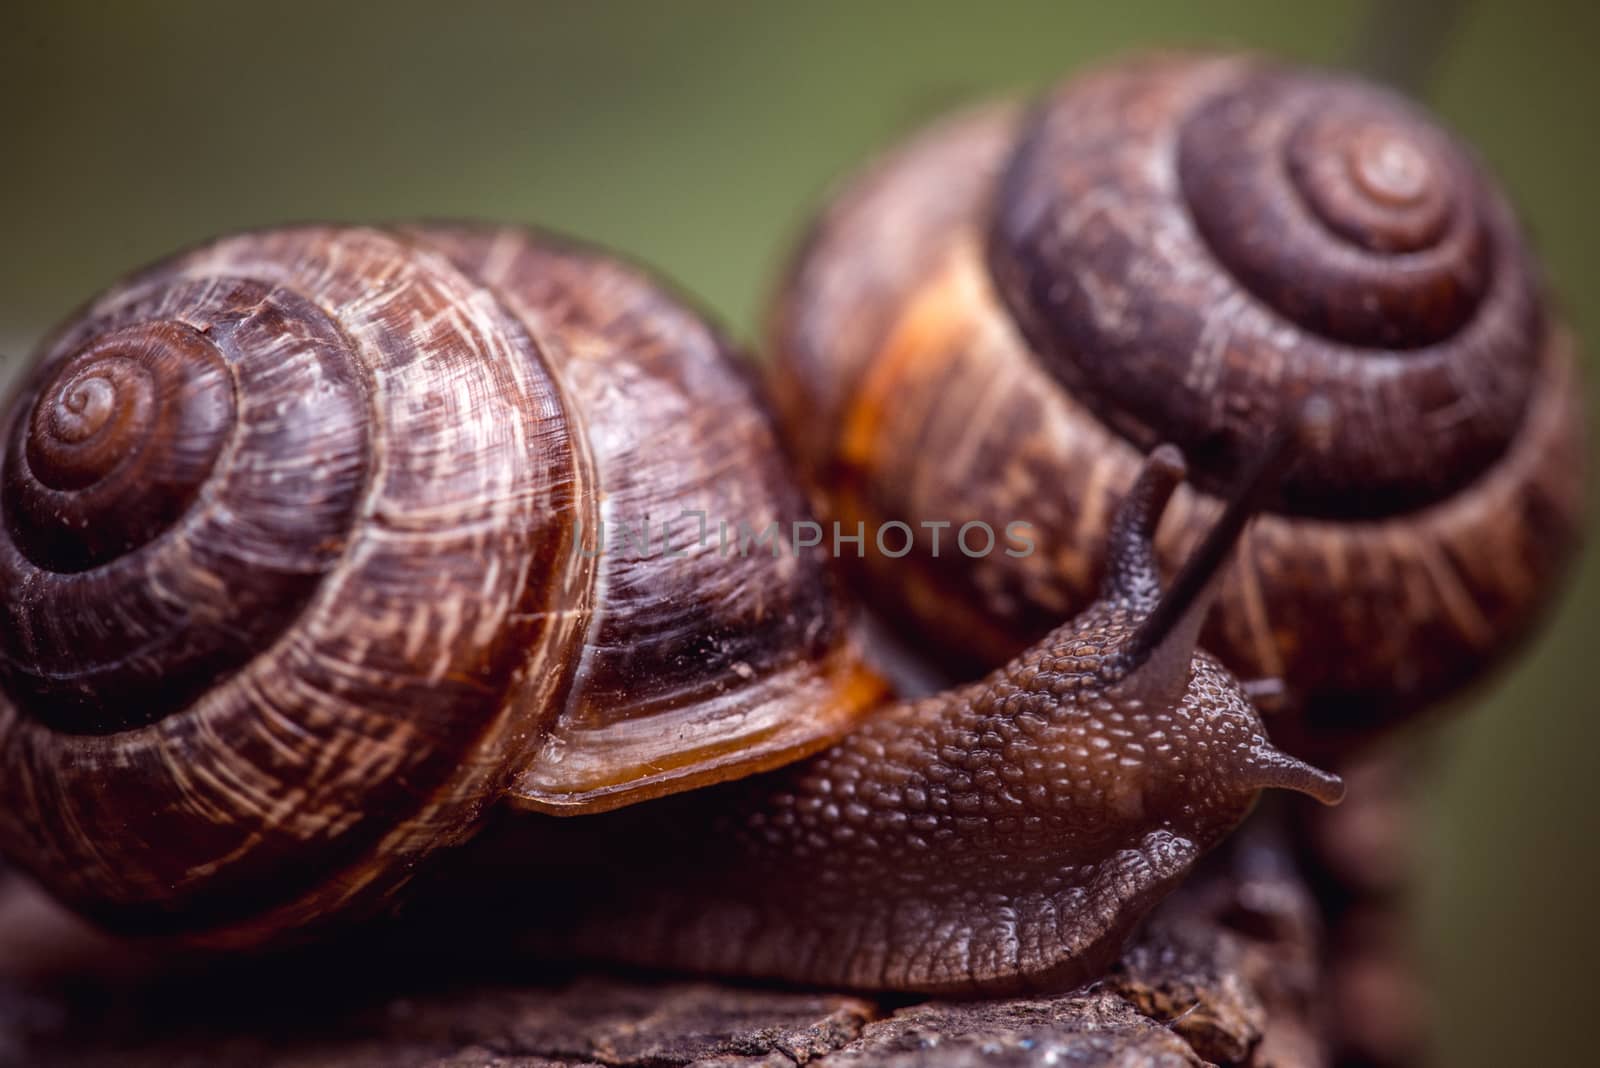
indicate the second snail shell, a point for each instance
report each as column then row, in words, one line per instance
column 994, row 321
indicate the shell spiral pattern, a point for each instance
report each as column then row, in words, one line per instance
column 1192, row 254
column 295, row 589
column 206, row 553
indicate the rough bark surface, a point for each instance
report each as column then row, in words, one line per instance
column 1230, row 970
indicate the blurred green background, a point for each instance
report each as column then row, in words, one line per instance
column 699, row 136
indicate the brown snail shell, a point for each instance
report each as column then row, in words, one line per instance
column 998, row 319
column 295, row 584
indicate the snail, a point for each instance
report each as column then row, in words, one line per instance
column 997, row 320
column 297, row 592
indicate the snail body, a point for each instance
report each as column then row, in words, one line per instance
column 1005, row 835
column 1176, row 248
column 295, row 594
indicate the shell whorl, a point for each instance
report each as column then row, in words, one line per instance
column 278, row 519
column 303, row 567
column 126, row 535
column 1190, row 246
column 119, row 444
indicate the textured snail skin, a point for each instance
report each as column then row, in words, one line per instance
column 1006, row 835
column 995, row 321
column 293, row 586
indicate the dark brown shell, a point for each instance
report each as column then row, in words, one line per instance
column 998, row 319
column 295, row 584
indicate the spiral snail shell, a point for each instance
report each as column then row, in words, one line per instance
column 998, row 319
column 296, row 582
